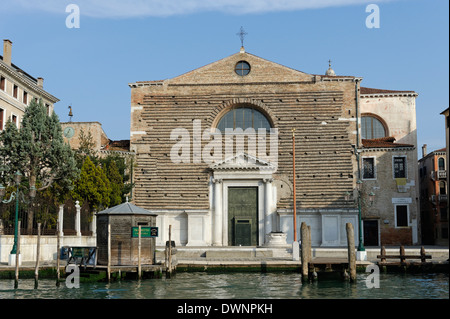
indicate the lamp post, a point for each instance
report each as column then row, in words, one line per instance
column 15, row 195
column 361, row 250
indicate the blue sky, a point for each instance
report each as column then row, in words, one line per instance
column 123, row 41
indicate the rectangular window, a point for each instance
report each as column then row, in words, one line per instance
column 401, row 215
column 400, row 167
column 368, row 164
column 2, row 83
column 25, row 97
column 15, row 91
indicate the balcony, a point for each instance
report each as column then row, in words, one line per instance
column 440, row 174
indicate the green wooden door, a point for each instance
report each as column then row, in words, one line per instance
column 242, row 216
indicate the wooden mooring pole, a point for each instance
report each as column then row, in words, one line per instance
column 305, row 250
column 169, row 254
column 58, row 252
column 38, row 253
column 108, row 270
column 351, row 251
column 16, row 274
column 139, row 253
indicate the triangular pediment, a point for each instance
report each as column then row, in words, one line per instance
column 243, row 161
column 223, row 71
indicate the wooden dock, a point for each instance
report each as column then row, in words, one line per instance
column 100, row 272
column 311, row 267
column 326, row 266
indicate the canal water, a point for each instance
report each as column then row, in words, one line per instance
column 202, row 285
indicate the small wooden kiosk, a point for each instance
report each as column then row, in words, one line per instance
column 124, row 220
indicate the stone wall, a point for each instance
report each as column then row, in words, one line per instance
column 320, row 109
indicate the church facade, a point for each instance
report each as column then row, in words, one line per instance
column 215, row 149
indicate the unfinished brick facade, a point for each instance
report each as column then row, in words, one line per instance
column 192, row 197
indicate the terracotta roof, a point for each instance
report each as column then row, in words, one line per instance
column 123, row 145
column 383, row 142
column 364, row 90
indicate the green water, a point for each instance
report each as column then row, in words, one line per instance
column 200, row 285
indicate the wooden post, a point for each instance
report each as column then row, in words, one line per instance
column 422, row 254
column 383, row 254
column 351, row 251
column 169, row 254
column 305, row 259
column 402, row 254
column 16, row 277
column 38, row 253
column 109, row 251
column 139, row 253
column 58, row 252
column 309, row 250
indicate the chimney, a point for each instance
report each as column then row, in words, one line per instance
column 40, row 82
column 424, row 150
column 7, row 46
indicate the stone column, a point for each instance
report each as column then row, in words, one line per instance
column 94, row 224
column 217, row 230
column 61, row 219
column 78, row 219
column 268, row 205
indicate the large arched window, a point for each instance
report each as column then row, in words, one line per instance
column 372, row 127
column 244, row 118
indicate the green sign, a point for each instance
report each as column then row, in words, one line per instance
column 146, row 232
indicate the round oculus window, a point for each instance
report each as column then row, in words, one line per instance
column 242, row 68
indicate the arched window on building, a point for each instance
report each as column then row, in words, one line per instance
column 243, row 117
column 441, row 164
column 372, row 127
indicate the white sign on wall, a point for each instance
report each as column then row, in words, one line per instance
column 402, row 200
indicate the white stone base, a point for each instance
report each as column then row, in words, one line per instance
column 361, row 255
column 276, row 240
column 12, row 260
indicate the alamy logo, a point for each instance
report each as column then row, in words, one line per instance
column 73, row 278
column 73, row 19
column 373, row 19
column 234, row 141
column 373, row 279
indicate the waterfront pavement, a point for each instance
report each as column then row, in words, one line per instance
column 278, row 257
column 260, row 256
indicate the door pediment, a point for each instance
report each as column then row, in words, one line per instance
column 244, row 162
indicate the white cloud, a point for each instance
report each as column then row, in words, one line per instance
column 161, row 8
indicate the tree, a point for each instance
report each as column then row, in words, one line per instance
column 9, row 153
column 117, row 185
column 86, row 147
column 123, row 166
column 92, row 186
column 38, row 151
column 43, row 156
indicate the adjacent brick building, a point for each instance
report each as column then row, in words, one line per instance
column 434, row 196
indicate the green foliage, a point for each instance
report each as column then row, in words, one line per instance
column 86, row 147
column 122, row 167
column 9, row 153
column 92, row 186
column 116, row 183
column 38, row 151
